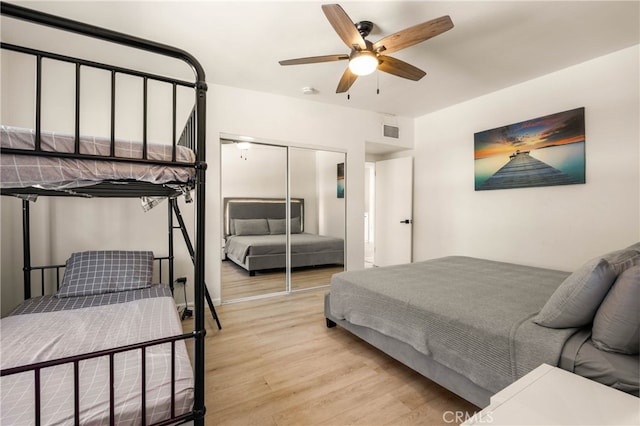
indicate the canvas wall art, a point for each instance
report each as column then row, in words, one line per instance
column 340, row 180
column 544, row 151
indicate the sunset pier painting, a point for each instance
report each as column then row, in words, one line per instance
column 544, row 151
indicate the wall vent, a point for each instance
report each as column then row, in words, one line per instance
column 390, row 131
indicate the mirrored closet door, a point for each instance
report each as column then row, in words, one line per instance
column 278, row 240
column 317, row 251
column 254, row 177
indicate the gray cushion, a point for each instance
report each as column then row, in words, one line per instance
column 278, row 226
column 97, row 272
column 251, row 227
column 620, row 260
column 635, row 246
column 616, row 326
column 296, row 226
column 576, row 300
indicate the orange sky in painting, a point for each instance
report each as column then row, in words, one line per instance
column 556, row 129
column 526, row 146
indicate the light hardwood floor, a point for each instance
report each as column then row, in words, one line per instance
column 237, row 284
column 275, row 363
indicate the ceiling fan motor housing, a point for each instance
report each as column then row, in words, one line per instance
column 364, row 28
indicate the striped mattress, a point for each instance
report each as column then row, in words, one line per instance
column 34, row 336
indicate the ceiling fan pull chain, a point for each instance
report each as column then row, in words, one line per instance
column 377, row 82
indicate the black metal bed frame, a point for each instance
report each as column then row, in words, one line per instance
column 193, row 136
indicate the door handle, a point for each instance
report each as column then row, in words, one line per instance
column 406, row 221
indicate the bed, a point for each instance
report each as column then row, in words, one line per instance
column 109, row 350
column 65, row 327
column 255, row 236
column 475, row 326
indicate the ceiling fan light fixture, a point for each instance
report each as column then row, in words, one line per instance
column 363, row 63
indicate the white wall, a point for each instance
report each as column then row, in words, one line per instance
column 304, row 184
column 262, row 174
column 558, row 227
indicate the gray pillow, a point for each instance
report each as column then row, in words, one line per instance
column 616, row 326
column 296, row 226
column 278, row 226
column 251, row 227
column 576, row 300
column 97, row 272
column 635, row 246
column 620, row 260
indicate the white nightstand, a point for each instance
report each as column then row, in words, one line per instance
column 552, row 396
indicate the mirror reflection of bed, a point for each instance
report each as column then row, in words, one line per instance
column 255, row 229
column 256, row 236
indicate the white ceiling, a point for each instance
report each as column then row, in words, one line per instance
column 492, row 45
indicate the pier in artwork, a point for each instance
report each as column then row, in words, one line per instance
column 523, row 170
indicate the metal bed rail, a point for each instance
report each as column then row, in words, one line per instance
column 161, row 260
column 187, row 136
column 43, row 280
column 36, row 368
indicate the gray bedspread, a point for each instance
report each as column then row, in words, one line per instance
column 51, row 303
column 471, row 315
column 241, row 246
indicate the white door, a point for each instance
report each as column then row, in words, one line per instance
column 393, row 211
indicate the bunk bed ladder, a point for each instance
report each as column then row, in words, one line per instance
column 187, row 240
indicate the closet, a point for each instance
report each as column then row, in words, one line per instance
column 272, row 183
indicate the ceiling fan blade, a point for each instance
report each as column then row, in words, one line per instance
column 399, row 68
column 413, row 35
column 313, row 59
column 346, row 81
column 344, row 26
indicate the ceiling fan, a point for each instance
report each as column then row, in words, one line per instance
column 366, row 57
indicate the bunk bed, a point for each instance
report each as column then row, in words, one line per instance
column 131, row 365
column 256, row 236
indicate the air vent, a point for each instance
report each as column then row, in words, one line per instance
column 390, row 131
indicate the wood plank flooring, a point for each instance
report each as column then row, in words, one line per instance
column 237, row 284
column 275, row 363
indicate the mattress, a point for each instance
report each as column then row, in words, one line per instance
column 35, row 337
column 620, row 371
column 21, row 171
column 240, row 246
column 473, row 316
